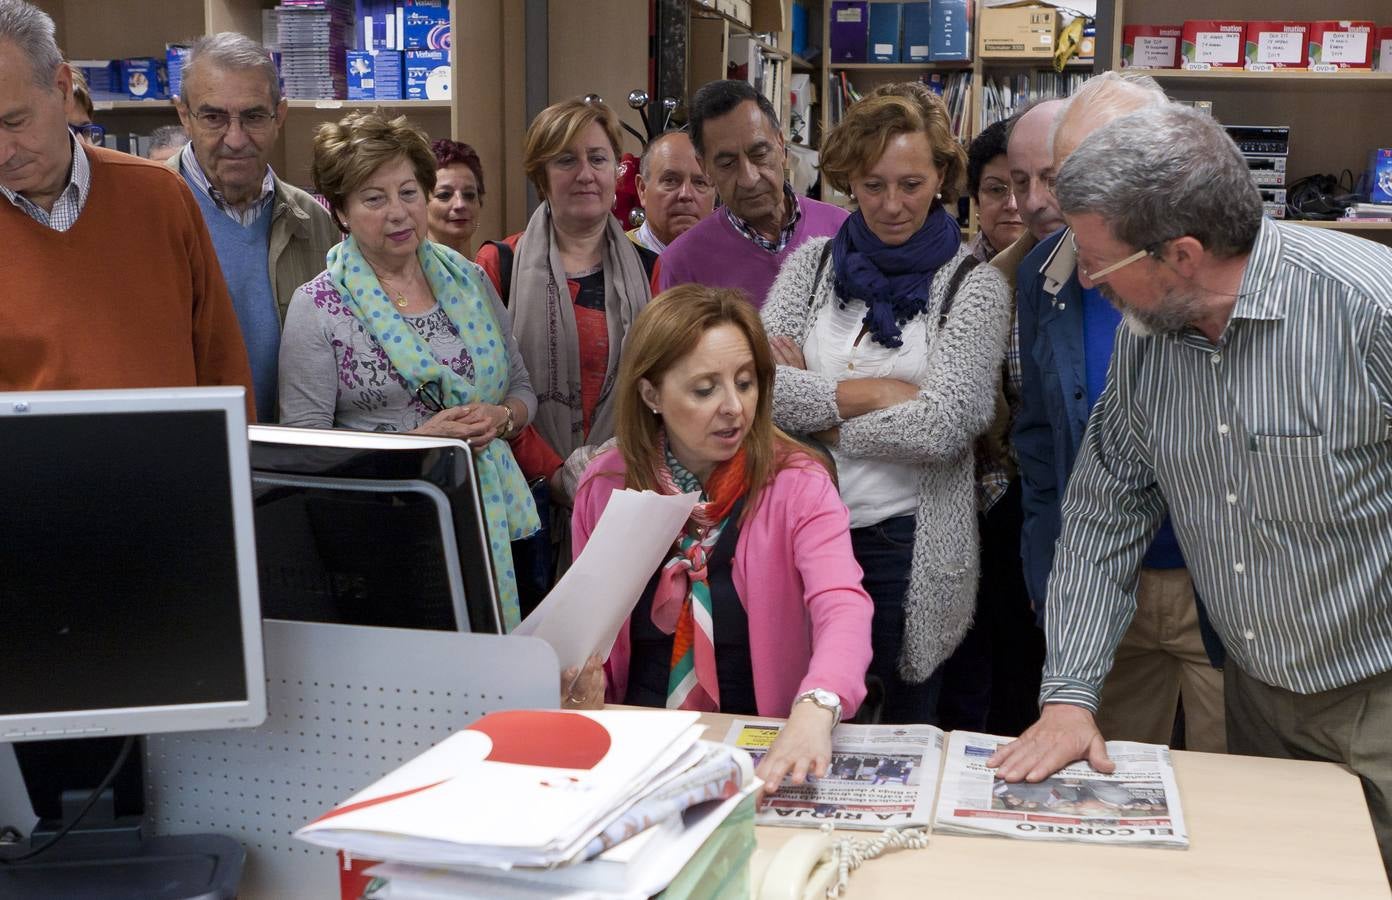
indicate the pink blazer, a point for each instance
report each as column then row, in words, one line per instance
column 809, row 618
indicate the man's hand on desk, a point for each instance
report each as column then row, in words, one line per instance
column 1063, row 734
column 802, row 748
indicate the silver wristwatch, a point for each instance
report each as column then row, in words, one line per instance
column 825, row 699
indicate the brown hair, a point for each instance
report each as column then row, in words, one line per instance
column 860, row 139
column 348, row 151
column 664, row 333
column 81, row 93
column 556, row 127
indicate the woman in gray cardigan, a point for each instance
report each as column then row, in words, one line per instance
column 890, row 344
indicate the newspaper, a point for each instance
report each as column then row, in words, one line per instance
column 1136, row 804
column 881, row 776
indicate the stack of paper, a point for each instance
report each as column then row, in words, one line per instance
column 520, row 791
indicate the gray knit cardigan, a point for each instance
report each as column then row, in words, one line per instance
column 936, row 432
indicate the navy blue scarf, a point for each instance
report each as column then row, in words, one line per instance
column 893, row 281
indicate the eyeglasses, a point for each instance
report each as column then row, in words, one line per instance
column 996, row 192
column 251, row 122
column 91, row 132
column 1116, row 266
column 431, row 396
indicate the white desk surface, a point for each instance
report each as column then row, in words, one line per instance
column 1261, row 828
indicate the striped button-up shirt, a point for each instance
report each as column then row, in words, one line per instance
column 247, row 215
column 1272, row 452
column 784, row 236
column 70, row 200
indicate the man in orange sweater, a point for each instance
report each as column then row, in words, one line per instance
column 108, row 276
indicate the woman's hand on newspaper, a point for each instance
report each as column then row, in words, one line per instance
column 583, row 687
column 1063, row 734
column 801, row 749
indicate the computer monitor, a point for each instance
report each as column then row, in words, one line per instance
column 128, row 590
column 357, row 528
column 128, row 605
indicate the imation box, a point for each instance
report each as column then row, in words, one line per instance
column 1380, row 176
column 1277, row 45
column 950, row 38
column 374, row 75
column 850, row 30
column 1150, row 46
column 425, row 28
column 886, row 24
column 1213, row 43
column 1341, row 45
column 1382, row 49
column 918, row 32
column 427, row 75
column 1019, row 32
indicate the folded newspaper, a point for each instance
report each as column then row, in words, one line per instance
column 1136, row 804
column 881, row 776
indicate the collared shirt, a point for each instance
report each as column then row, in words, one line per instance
column 644, row 236
column 1272, row 451
column 70, row 200
column 188, row 164
column 784, row 236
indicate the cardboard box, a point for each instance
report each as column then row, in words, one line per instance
column 918, row 32
column 175, row 55
column 1380, row 176
column 886, row 28
column 1217, row 43
column 1278, row 45
column 950, row 33
column 1382, row 49
column 425, row 28
column 374, row 75
column 850, row 30
column 1341, row 44
column 103, row 78
column 1019, row 32
column 426, row 74
column 1150, row 46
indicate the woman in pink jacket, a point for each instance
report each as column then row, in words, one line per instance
column 759, row 609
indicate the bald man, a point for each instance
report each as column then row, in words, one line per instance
column 673, row 190
column 1067, row 326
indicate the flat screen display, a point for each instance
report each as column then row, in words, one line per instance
column 118, row 563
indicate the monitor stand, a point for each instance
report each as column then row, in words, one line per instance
column 107, row 855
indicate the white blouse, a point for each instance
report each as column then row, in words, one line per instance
column 873, row 489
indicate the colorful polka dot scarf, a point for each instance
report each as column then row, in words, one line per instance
column 507, row 502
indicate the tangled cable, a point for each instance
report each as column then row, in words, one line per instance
column 849, row 854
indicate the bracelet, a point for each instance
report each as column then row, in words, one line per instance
column 506, row 431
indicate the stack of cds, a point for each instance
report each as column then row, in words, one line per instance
column 313, row 35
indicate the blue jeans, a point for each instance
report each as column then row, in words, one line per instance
column 885, row 553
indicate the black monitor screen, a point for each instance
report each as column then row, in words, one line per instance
column 118, row 572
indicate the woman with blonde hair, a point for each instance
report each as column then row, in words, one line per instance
column 399, row 334
column 889, row 346
column 759, row 610
column 574, row 283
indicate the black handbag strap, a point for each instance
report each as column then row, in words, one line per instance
column 821, row 267
column 963, row 269
column 504, row 269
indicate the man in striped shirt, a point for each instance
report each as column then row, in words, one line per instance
column 1251, row 399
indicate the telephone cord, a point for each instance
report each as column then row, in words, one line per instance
column 849, row 854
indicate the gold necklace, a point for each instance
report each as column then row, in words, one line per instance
column 399, row 301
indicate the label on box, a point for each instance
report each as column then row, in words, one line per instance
column 1217, row 46
column 884, row 49
column 851, row 15
column 1150, row 46
column 1349, row 47
column 921, row 50
column 1281, row 47
column 1383, row 58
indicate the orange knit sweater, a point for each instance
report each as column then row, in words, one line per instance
column 130, row 296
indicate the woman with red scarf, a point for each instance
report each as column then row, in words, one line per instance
column 759, row 610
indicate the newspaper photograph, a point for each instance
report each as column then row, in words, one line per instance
column 1136, row 804
column 881, row 776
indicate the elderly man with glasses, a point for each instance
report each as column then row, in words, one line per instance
column 1067, row 327
column 270, row 236
column 109, row 277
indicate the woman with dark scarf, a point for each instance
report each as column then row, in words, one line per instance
column 889, row 341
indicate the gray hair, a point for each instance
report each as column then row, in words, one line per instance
column 230, row 50
column 31, row 30
column 645, row 161
column 1105, row 97
column 1162, row 173
column 168, row 136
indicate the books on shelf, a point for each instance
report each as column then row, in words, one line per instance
column 1004, row 95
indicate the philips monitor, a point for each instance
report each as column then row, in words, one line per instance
column 356, row 528
column 128, row 590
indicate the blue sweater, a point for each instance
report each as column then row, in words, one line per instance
column 243, row 254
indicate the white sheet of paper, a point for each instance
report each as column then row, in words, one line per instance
column 583, row 613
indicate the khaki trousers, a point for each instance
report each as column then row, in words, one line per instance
column 1161, row 658
column 1349, row 725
